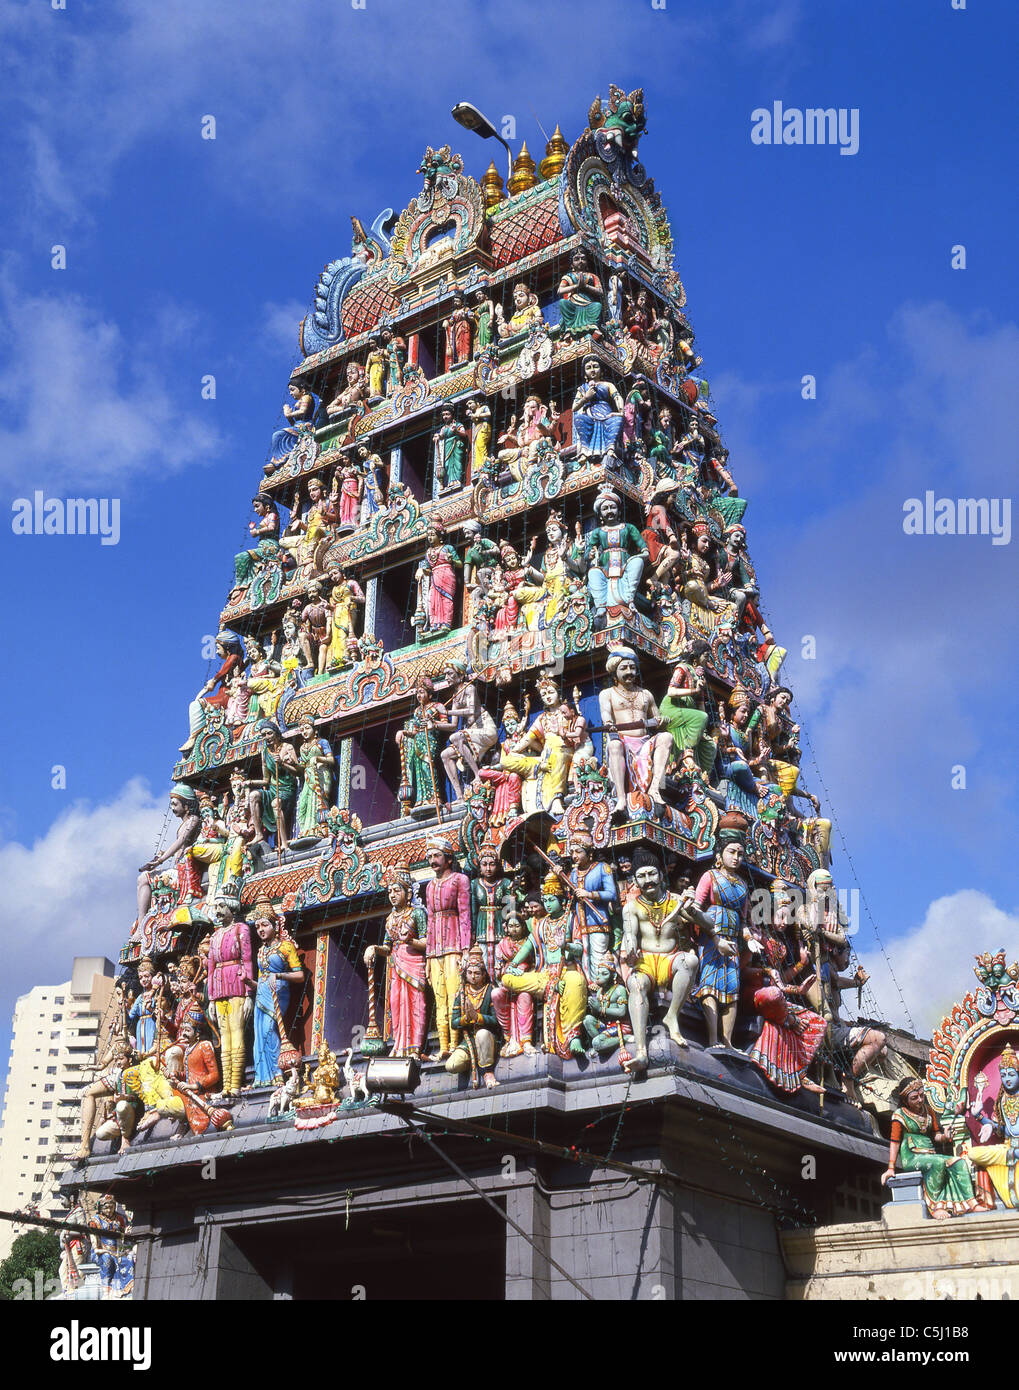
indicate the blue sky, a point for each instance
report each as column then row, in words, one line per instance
column 187, row 256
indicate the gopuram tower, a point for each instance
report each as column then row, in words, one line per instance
column 497, row 932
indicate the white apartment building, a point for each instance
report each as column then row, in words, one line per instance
column 55, row 1034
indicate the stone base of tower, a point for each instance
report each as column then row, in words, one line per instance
column 370, row 1209
column 905, row 1255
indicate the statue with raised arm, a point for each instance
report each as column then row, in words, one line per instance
column 184, row 806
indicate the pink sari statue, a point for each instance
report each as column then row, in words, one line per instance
column 350, row 498
column 406, row 1004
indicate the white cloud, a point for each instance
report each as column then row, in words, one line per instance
column 280, row 324
column 77, row 410
column 932, row 962
column 71, row 892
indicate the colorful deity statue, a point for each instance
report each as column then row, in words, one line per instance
column 436, row 585
column 660, row 930
column 723, row 896
column 395, row 348
column 354, row 392
column 479, row 416
column 279, row 971
column 474, row 1022
column 616, row 554
column 544, row 968
column 230, row 966
column 947, row 1180
column 542, row 756
column 514, row 1010
column 999, row 1120
column 375, row 364
column 526, row 312
column 404, row 947
column 581, row 297
column 308, row 527
column 506, row 785
column 265, row 527
column 448, row 910
column 184, row 807
column 484, row 319
column 215, row 693
column 639, row 747
column 597, row 414
column 473, row 734
column 595, row 905
column 319, row 765
column 791, row 1034
column 607, row 1023
column 491, row 894
column 451, row 449
column 458, row 331
column 315, row 619
column 107, row 1087
column 192, row 1071
column 345, row 597
column 271, row 797
column 520, row 443
column 109, row 1248
column 617, row 129
column 683, row 714
column 300, row 412
column 347, row 494
column 145, row 1012
column 418, row 743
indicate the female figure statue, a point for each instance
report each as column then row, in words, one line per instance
column 580, row 297
column 301, row 411
column 318, row 762
column 458, row 330
column 231, row 655
column 597, row 413
column 723, row 894
column 279, row 969
column 526, row 312
column 947, row 1182
column 436, row 580
column 683, row 714
column 406, row 1005
column 266, row 526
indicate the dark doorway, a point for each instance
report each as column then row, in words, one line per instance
column 435, row 1251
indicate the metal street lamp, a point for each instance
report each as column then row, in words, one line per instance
column 472, row 119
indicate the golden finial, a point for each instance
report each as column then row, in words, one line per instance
column 555, row 156
column 492, row 187
column 523, row 175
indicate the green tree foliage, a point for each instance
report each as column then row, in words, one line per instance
column 34, row 1250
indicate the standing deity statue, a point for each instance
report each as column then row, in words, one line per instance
column 581, row 298
column 448, row 910
column 723, row 895
column 436, row 585
column 109, row 1248
column 594, row 906
column 319, row 764
column 279, row 970
column 479, row 415
column 418, row 743
column 348, row 491
column 505, row 784
column 703, row 579
column 475, row 1023
column 229, row 992
column 484, row 319
column 458, row 331
column 345, row 597
column 375, row 367
column 597, row 414
column 315, row 619
column 395, row 349
column 271, row 797
column 639, row 747
column 375, row 483
column 491, row 894
column 659, row 933
column 616, row 553
column 451, row 448
column 405, row 944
